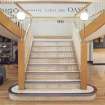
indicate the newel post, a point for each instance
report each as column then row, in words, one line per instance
column 21, row 64
column 84, row 66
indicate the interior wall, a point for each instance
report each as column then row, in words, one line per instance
column 51, row 27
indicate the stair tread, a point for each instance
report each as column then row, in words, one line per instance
column 52, row 51
column 34, row 71
column 52, row 46
column 53, row 63
column 53, row 40
column 51, row 57
column 56, row 55
column 66, row 80
column 89, row 90
column 58, row 58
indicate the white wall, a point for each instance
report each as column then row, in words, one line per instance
column 51, row 27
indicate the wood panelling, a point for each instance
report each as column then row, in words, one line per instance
column 21, row 64
column 84, row 66
column 93, row 26
column 10, row 26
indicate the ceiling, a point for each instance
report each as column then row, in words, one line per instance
column 63, row 9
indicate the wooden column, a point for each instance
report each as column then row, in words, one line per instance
column 21, row 65
column 84, row 66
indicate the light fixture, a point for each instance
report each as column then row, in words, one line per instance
column 84, row 15
column 21, row 15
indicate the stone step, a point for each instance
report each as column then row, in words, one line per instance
column 52, row 67
column 53, row 48
column 52, row 43
column 53, row 39
column 52, row 75
column 49, row 71
column 52, row 54
column 52, row 95
column 52, row 85
column 52, row 61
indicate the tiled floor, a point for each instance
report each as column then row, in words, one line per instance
column 96, row 77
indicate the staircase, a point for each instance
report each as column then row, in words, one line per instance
column 52, row 66
column 52, row 73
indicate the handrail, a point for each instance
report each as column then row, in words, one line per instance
column 11, row 26
column 24, row 42
column 92, row 27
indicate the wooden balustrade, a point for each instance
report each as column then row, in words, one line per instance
column 10, row 26
column 24, row 45
column 24, row 48
column 93, row 26
column 87, row 31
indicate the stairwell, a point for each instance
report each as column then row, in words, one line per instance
column 52, row 73
column 52, row 66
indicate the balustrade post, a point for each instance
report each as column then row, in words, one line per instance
column 84, row 66
column 21, row 64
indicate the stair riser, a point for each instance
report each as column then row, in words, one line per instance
column 52, row 86
column 52, row 68
column 52, row 76
column 51, row 61
column 53, row 55
column 53, row 99
column 41, row 49
column 51, row 43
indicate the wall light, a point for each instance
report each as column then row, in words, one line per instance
column 21, row 15
column 84, row 15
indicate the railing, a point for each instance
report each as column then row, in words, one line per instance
column 81, row 44
column 24, row 41
column 24, row 49
column 11, row 13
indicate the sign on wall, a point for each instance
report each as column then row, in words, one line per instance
column 49, row 10
column 53, row 9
